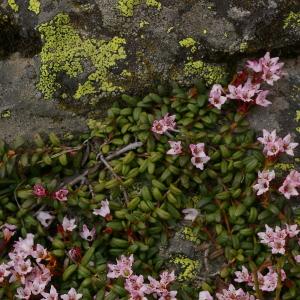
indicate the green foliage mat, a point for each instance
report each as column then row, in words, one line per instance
column 146, row 188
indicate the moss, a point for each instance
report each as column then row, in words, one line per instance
column 188, row 267
column 13, row 5
column 284, row 166
column 292, row 20
column 63, row 52
column 34, row 5
column 190, row 235
column 188, row 43
column 209, row 72
column 126, row 7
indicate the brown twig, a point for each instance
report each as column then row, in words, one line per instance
column 85, row 173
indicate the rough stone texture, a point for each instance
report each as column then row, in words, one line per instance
column 222, row 33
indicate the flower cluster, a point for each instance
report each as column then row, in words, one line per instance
column 163, row 125
column 263, row 181
column 60, row 195
column 135, row 285
column 27, row 266
column 199, row 158
column 290, row 184
column 276, row 238
column 274, row 145
column 246, row 87
column 267, row 282
column 266, row 68
column 232, row 293
column 53, row 295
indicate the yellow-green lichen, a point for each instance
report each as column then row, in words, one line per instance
column 189, row 43
column 64, row 51
column 13, row 5
column 297, row 115
column 126, row 7
column 209, row 72
column 143, row 23
column 188, row 267
column 35, row 6
column 190, row 235
column 298, row 129
column 292, row 20
column 243, row 46
column 153, row 3
column 126, row 73
column 284, row 166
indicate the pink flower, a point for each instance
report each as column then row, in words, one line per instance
column 8, row 230
column 263, row 181
column 292, row 230
column 271, row 69
column 87, row 234
column 294, row 177
column 161, row 288
column 176, row 148
column 169, row 121
column 290, row 185
column 199, row 162
column 268, row 68
column 52, row 295
column 123, row 268
column 39, row 253
column 261, row 99
column 61, row 195
column 191, row 214
column 23, row 293
column 205, row 296
column 288, row 146
column 75, row 254
column 232, row 294
column 297, row 258
column 243, row 276
column 275, row 239
column 159, row 127
column 268, row 137
column 255, row 65
column 3, row 272
column 39, row 191
column 215, row 96
column 197, row 149
column 72, row 295
column 135, row 287
column 244, row 92
column 45, row 218
column 164, row 124
column 68, row 224
column 104, row 210
column 24, row 247
column 275, row 145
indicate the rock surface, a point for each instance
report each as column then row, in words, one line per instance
column 80, row 54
